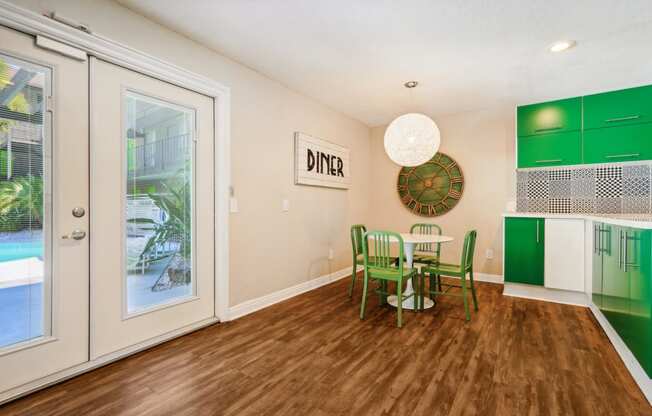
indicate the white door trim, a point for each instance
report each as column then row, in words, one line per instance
column 96, row 45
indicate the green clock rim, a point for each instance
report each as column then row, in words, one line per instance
column 440, row 206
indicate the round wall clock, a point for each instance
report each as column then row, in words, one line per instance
column 433, row 188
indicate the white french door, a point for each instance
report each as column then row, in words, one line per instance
column 44, row 250
column 152, row 198
column 106, row 212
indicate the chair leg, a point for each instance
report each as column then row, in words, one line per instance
column 432, row 286
column 423, row 290
column 475, row 300
column 353, row 276
column 439, row 283
column 465, row 297
column 363, row 304
column 417, row 290
column 399, row 305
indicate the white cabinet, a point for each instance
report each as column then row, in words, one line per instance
column 564, row 254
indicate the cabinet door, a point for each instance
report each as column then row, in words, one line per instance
column 596, row 285
column 524, row 250
column 564, row 254
column 550, row 150
column 550, row 117
column 630, row 106
column 618, row 144
column 615, row 282
column 637, row 333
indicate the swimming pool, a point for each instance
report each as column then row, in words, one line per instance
column 20, row 245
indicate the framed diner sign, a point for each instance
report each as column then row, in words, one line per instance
column 320, row 163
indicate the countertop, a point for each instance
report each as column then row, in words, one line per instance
column 625, row 220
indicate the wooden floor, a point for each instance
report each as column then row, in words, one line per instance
column 311, row 355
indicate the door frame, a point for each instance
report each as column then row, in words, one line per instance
column 26, row 21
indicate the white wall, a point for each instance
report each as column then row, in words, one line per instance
column 270, row 249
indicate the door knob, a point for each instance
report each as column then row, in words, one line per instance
column 75, row 235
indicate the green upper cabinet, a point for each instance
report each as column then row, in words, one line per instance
column 617, row 108
column 524, row 250
column 551, row 117
column 550, row 150
column 619, row 144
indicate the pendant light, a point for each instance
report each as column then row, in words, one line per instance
column 412, row 139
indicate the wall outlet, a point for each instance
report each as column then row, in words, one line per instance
column 489, row 253
column 331, row 254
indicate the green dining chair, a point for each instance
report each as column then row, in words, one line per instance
column 380, row 267
column 357, row 233
column 426, row 253
column 436, row 271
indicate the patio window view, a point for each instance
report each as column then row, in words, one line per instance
column 159, row 237
column 24, row 286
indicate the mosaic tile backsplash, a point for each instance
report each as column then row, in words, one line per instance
column 604, row 189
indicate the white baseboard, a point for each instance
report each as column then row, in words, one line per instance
column 99, row 362
column 250, row 306
column 253, row 305
column 635, row 369
column 490, row 278
column 543, row 293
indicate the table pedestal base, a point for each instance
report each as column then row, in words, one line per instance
column 409, row 303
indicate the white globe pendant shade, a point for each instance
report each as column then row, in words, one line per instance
column 412, row 139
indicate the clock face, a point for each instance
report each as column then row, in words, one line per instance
column 433, row 188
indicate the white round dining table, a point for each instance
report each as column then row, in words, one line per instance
column 410, row 241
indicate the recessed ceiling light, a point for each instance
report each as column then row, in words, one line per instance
column 562, row 45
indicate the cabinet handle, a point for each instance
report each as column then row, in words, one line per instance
column 623, row 155
column 618, row 119
column 549, row 160
column 538, row 231
column 596, row 239
column 547, row 129
column 625, row 256
column 620, row 250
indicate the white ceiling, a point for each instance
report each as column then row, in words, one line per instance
column 355, row 55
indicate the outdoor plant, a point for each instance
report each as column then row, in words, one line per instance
column 21, row 203
column 174, row 199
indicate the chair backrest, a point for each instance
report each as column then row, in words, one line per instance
column 468, row 250
column 357, row 234
column 430, row 229
column 381, row 242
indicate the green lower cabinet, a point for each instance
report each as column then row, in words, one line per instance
column 637, row 333
column 618, row 144
column 622, row 286
column 615, row 282
column 598, row 243
column 550, row 150
column 524, row 250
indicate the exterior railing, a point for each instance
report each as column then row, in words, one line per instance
column 160, row 156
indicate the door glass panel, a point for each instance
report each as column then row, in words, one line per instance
column 159, row 199
column 24, row 194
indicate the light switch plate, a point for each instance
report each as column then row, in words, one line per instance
column 233, row 205
column 286, row 205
